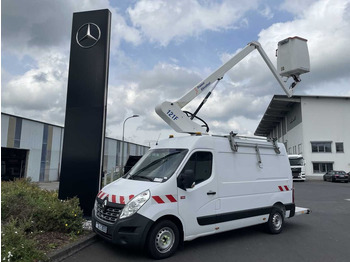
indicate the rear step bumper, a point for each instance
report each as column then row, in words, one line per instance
column 302, row 211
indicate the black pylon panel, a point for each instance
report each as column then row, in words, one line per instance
column 84, row 130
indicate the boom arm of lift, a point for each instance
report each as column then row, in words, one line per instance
column 171, row 112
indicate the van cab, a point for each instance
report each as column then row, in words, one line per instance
column 188, row 187
column 297, row 165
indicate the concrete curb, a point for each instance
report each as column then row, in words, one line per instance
column 71, row 249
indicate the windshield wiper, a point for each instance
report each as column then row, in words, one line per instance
column 142, row 177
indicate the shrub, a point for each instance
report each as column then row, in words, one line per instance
column 27, row 210
column 16, row 246
column 26, row 201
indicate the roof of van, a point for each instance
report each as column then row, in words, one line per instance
column 212, row 142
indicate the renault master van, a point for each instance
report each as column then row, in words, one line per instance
column 188, row 187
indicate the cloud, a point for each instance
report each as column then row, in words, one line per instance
column 40, row 90
column 122, row 31
column 186, row 17
column 44, row 39
column 266, row 12
column 50, row 27
column 142, row 90
column 326, row 26
column 240, row 100
column 296, row 7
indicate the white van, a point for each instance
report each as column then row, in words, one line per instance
column 193, row 186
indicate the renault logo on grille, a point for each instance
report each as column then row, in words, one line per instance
column 105, row 203
column 88, row 35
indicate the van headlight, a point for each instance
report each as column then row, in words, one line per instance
column 135, row 204
column 95, row 206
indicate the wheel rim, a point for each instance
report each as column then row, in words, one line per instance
column 165, row 239
column 277, row 221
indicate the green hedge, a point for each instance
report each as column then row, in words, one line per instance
column 27, row 210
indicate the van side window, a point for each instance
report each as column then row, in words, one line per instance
column 201, row 163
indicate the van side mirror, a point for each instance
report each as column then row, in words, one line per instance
column 186, row 179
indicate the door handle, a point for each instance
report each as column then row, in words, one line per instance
column 211, row 193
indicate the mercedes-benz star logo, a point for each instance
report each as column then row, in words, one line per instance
column 88, row 35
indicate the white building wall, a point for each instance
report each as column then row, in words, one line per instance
column 326, row 119
column 4, row 129
column 32, row 138
column 294, row 137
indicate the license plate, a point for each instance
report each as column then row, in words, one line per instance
column 101, row 227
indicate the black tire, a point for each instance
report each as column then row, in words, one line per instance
column 276, row 221
column 163, row 239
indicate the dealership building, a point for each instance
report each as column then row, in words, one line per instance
column 33, row 149
column 317, row 127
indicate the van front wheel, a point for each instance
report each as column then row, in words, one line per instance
column 163, row 239
column 276, row 221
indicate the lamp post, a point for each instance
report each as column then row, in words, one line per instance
column 122, row 154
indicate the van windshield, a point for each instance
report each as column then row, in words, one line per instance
column 296, row 161
column 157, row 165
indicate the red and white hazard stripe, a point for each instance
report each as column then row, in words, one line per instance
column 115, row 198
column 125, row 199
column 102, row 195
column 164, row 199
column 284, row 188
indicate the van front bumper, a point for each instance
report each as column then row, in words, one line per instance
column 131, row 231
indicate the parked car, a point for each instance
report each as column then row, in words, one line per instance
column 334, row 176
column 349, row 176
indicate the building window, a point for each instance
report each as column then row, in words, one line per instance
column 300, row 149
column 18, row 131
column 322, row 167
column 339, row 147
column 321, row 147
column 284, row 124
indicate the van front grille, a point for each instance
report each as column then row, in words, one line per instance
column 108, row 214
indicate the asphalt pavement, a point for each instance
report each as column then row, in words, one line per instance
column 323, row 235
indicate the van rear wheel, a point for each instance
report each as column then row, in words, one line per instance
column 163, row 239
column 276, row 221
